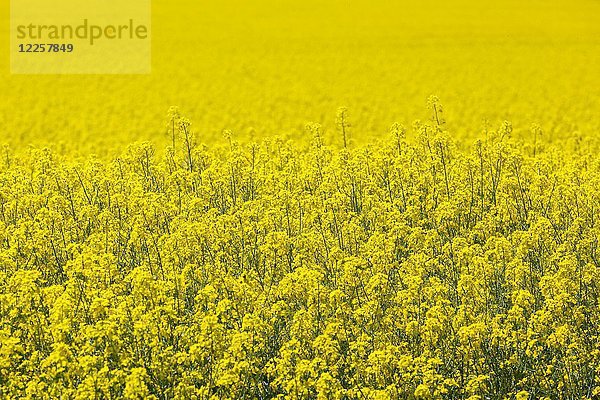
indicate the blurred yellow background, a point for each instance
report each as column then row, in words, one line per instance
column 265, row 68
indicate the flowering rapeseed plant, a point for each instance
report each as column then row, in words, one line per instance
column 408, row 269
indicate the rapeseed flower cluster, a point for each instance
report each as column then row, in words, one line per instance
column 419, row 267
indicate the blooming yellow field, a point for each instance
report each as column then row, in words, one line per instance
column 310, row 221
column 264, row 68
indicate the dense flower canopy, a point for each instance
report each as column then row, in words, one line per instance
column 412, row 268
